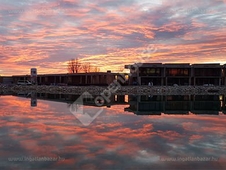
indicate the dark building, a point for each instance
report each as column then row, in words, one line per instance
column 16, row 78
column 6, row 80
column 179, row 74
column 153, row 73
column 95, row 78
column 224, row 75
column 207, row 74
column 142, row 74
column 182, row 74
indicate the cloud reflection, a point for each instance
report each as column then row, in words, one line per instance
column 124, row 141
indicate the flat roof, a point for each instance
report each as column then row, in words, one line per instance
column 144, row 65
column 209, row 65
column 177, row 65
column 72, row 74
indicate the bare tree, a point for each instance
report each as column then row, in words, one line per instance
column 77, row 65
column 96, row 69
column 74, row 66
column 86, row 67
column 71, row 66
column 89, row 67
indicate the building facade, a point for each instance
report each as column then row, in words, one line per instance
column 6, row 80
column 207, row 74
column 182, row 74
column 95, row 78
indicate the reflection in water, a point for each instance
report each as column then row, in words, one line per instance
column 176, row 104
column 115, row 139
column 31, row 95
column 33, row 99
column 146, row 104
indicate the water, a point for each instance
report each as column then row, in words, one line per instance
column 42, row 131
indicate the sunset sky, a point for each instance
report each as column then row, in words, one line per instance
column 109, row 33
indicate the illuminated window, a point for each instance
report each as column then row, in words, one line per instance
column 186, row 72
column 158, row 71
column 152, row 71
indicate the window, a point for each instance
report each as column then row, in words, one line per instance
column 177, row 72
column 207, row 72
column 149, row 72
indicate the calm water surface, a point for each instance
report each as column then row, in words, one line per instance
column 128, row 134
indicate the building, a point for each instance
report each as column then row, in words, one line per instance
column 142, row 74
column 207, row 74
column 179, row 74
column 16, row 78
column 94, row 78
column 224, row 74
column 182, row 74
column 6, row 80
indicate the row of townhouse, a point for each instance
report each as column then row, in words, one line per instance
column 179, row 74
column 94, row 78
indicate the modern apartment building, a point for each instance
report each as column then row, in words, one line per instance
column 181, row 74
column 207, row 74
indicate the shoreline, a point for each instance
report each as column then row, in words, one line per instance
column 143, row 90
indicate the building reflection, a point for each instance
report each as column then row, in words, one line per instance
column 223, row 103
column 176, row 104
column 206, row 104
column 145, row 104
column 88, row 101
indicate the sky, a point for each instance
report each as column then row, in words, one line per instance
column 109, row 33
